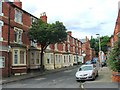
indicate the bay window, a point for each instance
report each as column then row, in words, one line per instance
column 19, row 57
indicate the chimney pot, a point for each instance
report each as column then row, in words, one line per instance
column 69, row 33
column 43, row 17
column 18, row 3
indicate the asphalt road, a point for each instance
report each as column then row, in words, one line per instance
column 63, row 79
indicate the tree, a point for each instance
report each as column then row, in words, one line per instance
column 46, row 34
column 113, row 60
column 94, row 43
column 104, row 42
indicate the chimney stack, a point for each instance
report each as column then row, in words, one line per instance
column 43, row 17
column 69, row 33
column 18, row 3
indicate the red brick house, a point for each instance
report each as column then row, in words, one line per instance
column 117, row 28
column 87, row 49
column 63, row 54
column 14, row 39
column 19, row 54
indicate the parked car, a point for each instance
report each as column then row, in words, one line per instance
column 86, row 72
column 88, row 62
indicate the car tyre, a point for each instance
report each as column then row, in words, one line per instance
column 78, row 80
column 97, row 74
column 93, row 77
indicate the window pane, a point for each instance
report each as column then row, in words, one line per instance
column 16, row 16
column 0, row 7
column 32, row 58
column 2, row 62
column 19, row 36
column 15, row 56
column 22, row 57
column 52, row 58
column 48, row 61
column 37, row 58
column 15, row 36
column 20, row 17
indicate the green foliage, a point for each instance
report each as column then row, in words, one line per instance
column 113, row 60
column 45, row 34
column 104, row 42
column 94, row 43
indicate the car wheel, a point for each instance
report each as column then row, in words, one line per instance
column 93, row 77
column 78, row 80
column 97, row 74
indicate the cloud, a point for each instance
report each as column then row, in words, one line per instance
column 83, row 17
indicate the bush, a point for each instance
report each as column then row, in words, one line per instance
column 113, row 60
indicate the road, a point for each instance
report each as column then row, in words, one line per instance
column 63, row 79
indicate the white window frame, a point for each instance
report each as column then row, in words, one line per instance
column 1, row 14
column 33, row 19
column 1, row 62
column 1, row 24
column 18, row 19
column 48, row 57
column 63, row 46
column 68, row 39
column 73, row 40
column 33, row 44
column 34, row 58
column 19, row 31
column 37, row 58
column 56, row 46
column 18, row 54
column 68, row 47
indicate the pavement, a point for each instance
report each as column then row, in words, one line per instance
column 102, row 81
column 33, row 75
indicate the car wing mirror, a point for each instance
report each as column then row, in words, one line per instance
column 79, row 69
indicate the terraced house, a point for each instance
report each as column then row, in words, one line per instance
column 18, row 54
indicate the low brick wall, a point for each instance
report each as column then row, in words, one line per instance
column 116, row 76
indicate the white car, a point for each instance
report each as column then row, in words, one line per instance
column 87, row 72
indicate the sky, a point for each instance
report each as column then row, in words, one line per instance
column 82, row 17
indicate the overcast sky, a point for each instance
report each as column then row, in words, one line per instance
column 82, row 17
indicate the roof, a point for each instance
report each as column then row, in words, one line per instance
column 83, row 40
column 11, row 3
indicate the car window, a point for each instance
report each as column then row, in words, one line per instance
column 84, row 68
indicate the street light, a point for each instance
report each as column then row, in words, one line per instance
column 83, row 54
column 99, row 48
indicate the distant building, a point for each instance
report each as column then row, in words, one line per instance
column 90, row 53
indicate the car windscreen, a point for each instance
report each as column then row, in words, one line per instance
column 84, row 68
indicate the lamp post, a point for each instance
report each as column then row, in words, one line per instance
column 83, row 54
column 99, row 48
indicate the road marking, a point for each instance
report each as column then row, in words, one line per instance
column 40, row 78
column 68, row 71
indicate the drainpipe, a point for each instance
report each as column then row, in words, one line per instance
column 9, row 11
